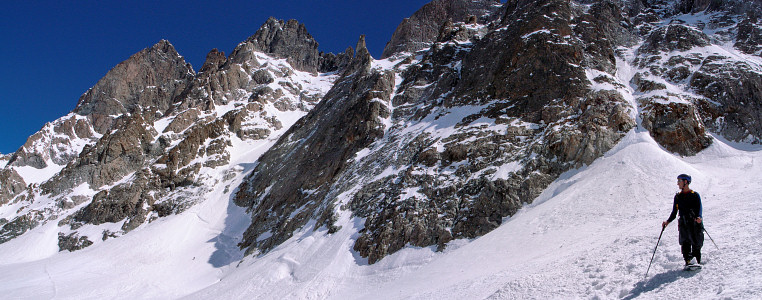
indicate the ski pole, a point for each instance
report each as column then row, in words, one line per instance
column 710, row 237
column 657, row 246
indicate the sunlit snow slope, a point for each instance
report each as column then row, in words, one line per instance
column 590, row 234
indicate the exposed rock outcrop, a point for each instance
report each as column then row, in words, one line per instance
column 11, row 184
column 19, row 225
column 131, row 201
column 460, row 191
column 330, row 62
column 732, row 90
column 72, row 242
column 148, row 80
column 118, row 153
column 289, row 40
column 674, row 37
column 58, row 142
column 749, row 37
column 678, row 121
column 421, row 29
column 283, row 198
column 215, row 60
column 675, row 126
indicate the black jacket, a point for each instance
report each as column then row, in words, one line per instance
column 688, row 204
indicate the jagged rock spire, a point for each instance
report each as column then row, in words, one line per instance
column 362, row 58
column 214, row 60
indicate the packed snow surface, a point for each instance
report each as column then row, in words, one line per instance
column 591, row 234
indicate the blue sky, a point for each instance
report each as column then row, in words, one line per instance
column 53, row 51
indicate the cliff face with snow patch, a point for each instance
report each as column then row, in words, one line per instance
column 450, row 134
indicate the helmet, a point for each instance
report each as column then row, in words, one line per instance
column 685, row 177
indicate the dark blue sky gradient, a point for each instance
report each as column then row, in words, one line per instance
column 53, row 51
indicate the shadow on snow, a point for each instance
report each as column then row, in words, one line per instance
column 236, row 222
column 659, row 281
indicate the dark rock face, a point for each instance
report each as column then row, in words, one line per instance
column 675, row 126
column 735, row 88
column 514, row 65
column 694, row 6
column 12, row 185
column 215, row 59
column 330, row 62
column 521, row 51
column 290, row 40
column 420, row 30
column 130, row 201
column 282, row 198
column 678, row 121
column 177, row 167
column 72, row 242
column 149, row 79
column 611, row 22
column 749, row 38
column 20, row 225
column 674, row 38
column 117, row 154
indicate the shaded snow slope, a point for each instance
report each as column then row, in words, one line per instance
column 589, row 235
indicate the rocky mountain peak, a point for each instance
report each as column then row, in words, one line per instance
column 421, row 29
column 214, row 60
column 149, row 79
column 289, row 40
column 362, row 49
column 151, row 136
column 361, row 60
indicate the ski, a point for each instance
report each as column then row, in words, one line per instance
column 692, row 267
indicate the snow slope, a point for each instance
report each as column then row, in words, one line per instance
column 589, row 235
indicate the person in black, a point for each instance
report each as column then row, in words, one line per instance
column 688, row 203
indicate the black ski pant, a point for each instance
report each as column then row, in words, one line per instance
column 691, row 238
